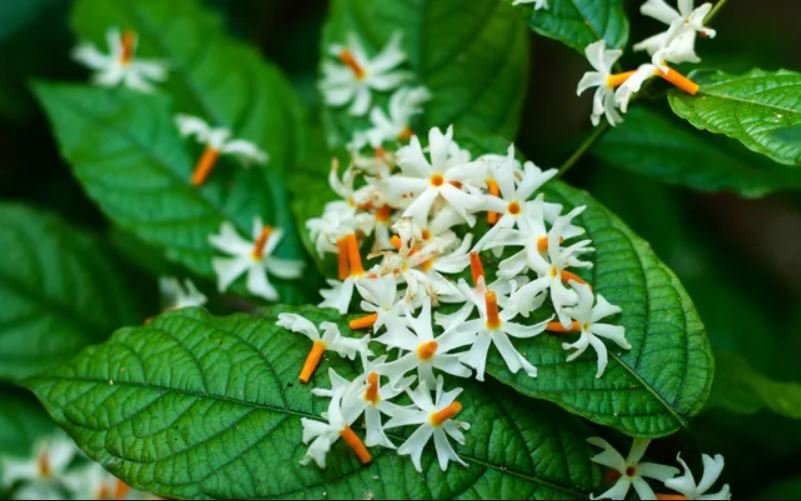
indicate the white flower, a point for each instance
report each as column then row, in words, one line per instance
column 339, row 219
column 343, row 409
column 394, row 125
column 543, row 251
column 633, row 84
column 41, row 475
column 603, row 103
column 254, row 257
column 435, row 419
column 380, row 299
column 94, row 482
column 632, row 471
column 685, row 484
column 538, row 4
column 514, row 190
column 217, row 141
column 331, row 340
column 177, row 295
column 358, row 75
column 120, row 65
column 677, row 44
column 422, row 350
column 585, row 320
column 425, row 182
column 494, row 327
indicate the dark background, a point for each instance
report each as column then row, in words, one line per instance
column 740, row 259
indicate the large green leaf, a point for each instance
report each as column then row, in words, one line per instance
column 578, row 23
column 741, row 389
column 60, row 289
column 202, row 407
column 756, row 108
column 649, row 144
column 472, row 56
column 126, row 152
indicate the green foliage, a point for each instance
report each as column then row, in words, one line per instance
column 14, row 16
column 759, row 109
column 741, row 389
column 196, row 406
column 650, row 390
column 578, row 23
column 662, row 149
column 22, row 421
column 60, row 289
column 472, row 56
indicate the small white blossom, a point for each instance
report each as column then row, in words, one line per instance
column 603, row 102
column 393, row 125
column 339, row 219
column 633, row 84
column 357, row 76
column 435, row 418
column 120, row 66
column 219, row 139
column 685, row 483
column 176, row 295
column 252, row 257
column 331, row 340
column 94, row 482
column 632, row 471
column 677, row 44
column 538, row 4
column 586, row 320
column 42, row 475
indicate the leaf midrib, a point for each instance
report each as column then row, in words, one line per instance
column 729, row 97
column 300, row 414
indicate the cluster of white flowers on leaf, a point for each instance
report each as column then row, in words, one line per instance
column 414, row 214
column 56, row 472
column 630, row 471
column 676, row 45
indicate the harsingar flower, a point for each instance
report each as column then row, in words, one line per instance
column 686, row 486
column 43, row 474
column 435, row 418
column 357, row 75
column 538, row 4
column 443, row 177
column 176, row 294
column 331, row 340
column 121, row 65
column 603, row 102
column 586, row 321
column 677, row 44
column 94, row 482
column 254, row 257
column 380, row 299
column 217, row 142
column 632, row 472
column 393, row 126
column 349, row 271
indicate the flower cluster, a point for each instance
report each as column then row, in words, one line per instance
column 674, row 46
column 630, row 471
column 52, row 473
column 409, row 224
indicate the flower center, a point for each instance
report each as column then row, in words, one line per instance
column 261, row 242
column 425, row 234
column 346, row 57
column 371, row 393
column 128, row 41
column 383, row 213
column 514, row 208
column 405, row 134
column 425, row 351
column 439, row 417
column 43, row 463
column 491, row 302
column 437, row 180
column 631, row 471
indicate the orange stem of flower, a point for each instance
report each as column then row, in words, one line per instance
column 128, row 44
column 354, row 257
column 363, row 322
column 343, row 270
column 445, row 414
column 679, row 81
column 43, row 463
column 383, row 213
column 492, row 186
column 558, row 328
column 258, row 247
column 491, row 302
column 371, row 394
column 355, row 443
column 671, row 497
column 205, row 164
column 379, row 152
column 405, row 134
column 121, row 489
column 567, row 276
column 476, row 268
column 347, row 57
column 395, row 242
column 427, row 350
column 618, row 79
column 312, row 361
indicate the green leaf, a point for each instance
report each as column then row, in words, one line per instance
column 59, row 290
column 126, row 152
column 665, row 150
column 193, row 406
column 755, row 109
column 472, row 56
column 578, row 23
column 741, row 389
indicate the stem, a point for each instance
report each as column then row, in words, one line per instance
column 714, row 11
column 576, row 156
